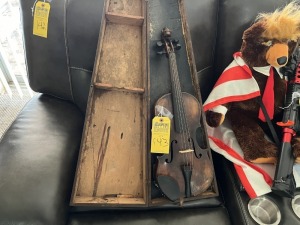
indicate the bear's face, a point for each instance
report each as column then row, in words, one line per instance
column 258, row 51
column 253, row 52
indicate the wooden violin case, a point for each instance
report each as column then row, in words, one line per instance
column 115, row 166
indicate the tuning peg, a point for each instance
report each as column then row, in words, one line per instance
column 159, row 44
column 177, row 46
column 161, row 52
column 175, row 41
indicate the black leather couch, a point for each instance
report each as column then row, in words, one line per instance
column 38, row 153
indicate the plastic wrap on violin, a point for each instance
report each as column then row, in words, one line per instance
column 187, row 170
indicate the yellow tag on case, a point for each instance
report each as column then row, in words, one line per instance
column 40, row 19
column 160, row 140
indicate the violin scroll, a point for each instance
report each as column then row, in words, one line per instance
column 167, row 44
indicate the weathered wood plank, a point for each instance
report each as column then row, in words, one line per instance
column 120, row 57
column 112, row 162
column 115, row 88
column 125, row 19
column 127, row 7
column 109, row 200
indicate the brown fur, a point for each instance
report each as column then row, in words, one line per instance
column 269, row 41
column 249, row 130
column 253, row 49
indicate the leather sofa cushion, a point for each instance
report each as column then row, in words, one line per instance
column 202, row 17
column 38, row 155
column 61, row 64
column 206, row 216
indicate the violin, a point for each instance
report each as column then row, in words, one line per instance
column 187, row 170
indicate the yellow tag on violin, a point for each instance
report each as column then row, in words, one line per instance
column 160, row 140
column 40, row 19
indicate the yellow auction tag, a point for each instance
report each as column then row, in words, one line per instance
column 40, row 19
column 160, row 140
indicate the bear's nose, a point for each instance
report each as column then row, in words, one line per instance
column 282, row 60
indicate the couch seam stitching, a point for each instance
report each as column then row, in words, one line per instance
column 236, row 192
column 67, row 49
column 79, row 68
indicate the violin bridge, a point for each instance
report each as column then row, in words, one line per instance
column 186, row 151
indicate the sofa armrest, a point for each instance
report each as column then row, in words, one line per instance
column 37, row 162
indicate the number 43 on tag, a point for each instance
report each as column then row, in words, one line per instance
column 160, row 139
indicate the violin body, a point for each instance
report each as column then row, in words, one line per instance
column 187, row 170
column 171, row 165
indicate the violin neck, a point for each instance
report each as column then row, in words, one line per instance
column 177, row 100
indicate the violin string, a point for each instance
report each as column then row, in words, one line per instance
column 184, row 124
column 176, row 92
column 186, row 132
column 182, row 116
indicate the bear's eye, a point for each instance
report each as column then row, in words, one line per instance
column 267, row 43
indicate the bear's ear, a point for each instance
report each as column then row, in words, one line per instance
column 254, row 32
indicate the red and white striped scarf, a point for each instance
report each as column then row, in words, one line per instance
column 236, row 83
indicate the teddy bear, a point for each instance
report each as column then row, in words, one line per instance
column 255, row 74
